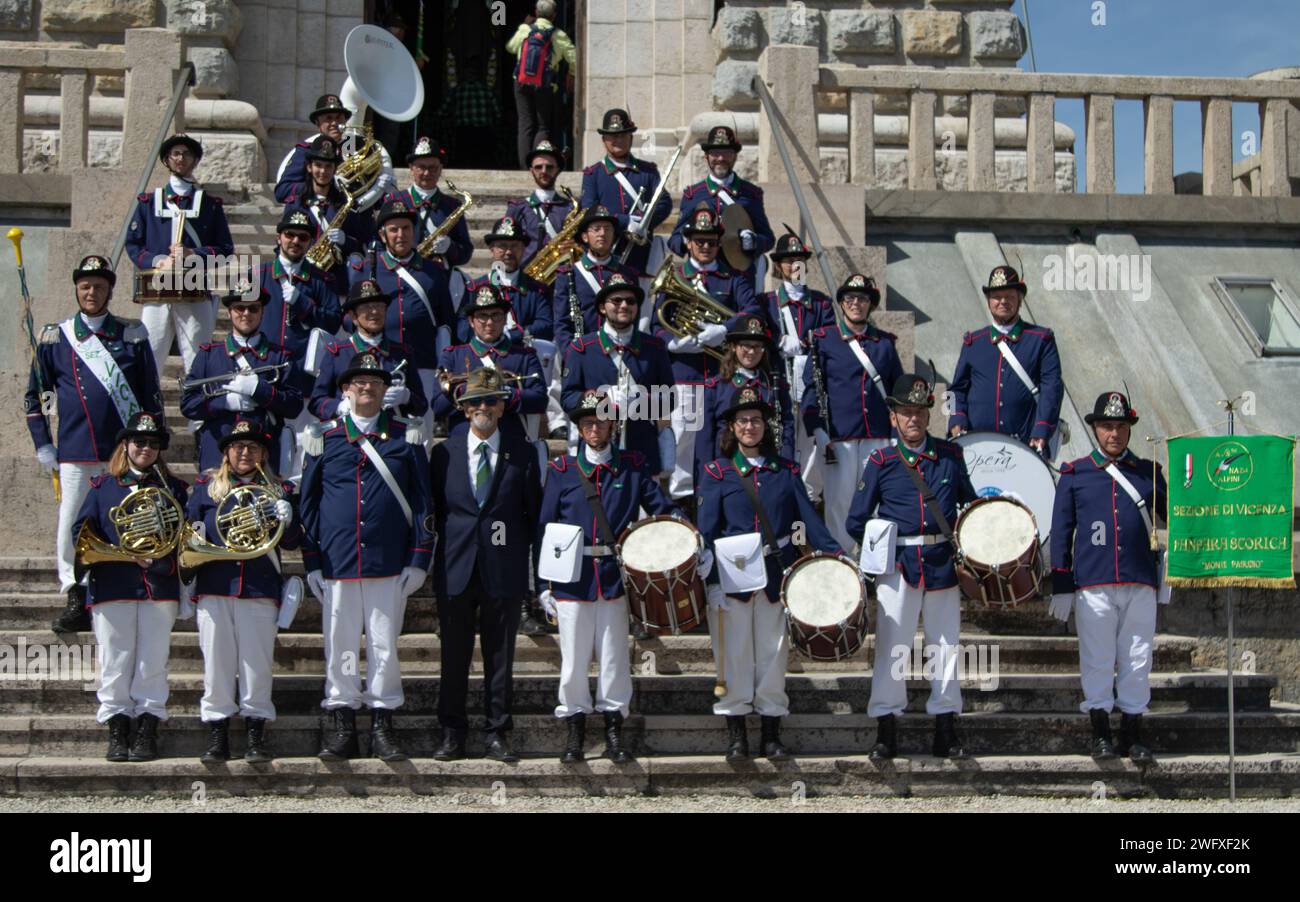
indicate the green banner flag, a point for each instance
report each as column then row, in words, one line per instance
column 1230, row 511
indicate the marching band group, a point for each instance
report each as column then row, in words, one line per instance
column 315, row 418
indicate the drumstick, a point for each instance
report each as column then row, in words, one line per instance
column 720, row 688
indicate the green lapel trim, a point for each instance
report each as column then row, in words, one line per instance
column 260, row 345
column 910, row 457
column 361, row 346
column 112, row 327
column 588, row 468
column 607, row 343
column 501, row 347
column 354, row 434
column 869, row 333
column 745, row 467
column 1013, row 336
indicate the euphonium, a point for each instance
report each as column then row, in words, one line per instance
column 685, row 309
column 425, row 247
column 246, row 523
column 560, row 250
column 149, row 524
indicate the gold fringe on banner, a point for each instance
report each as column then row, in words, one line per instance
column 1229, row 582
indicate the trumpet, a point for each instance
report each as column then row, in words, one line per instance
column 449, row 380
column 246, row 522
column 214, row 385
column 685, row 309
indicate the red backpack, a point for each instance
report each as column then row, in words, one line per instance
column 534, row 59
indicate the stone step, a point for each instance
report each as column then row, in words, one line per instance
column 823, row 693
column 1270, row 775
column 78, row 735
column 420, row 652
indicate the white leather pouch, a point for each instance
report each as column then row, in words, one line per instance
column 739, row 560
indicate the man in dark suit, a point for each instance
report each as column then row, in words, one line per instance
column 486, row 496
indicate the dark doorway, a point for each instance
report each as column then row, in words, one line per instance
column 469, row 104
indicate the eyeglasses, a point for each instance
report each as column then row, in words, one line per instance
column 151, row 444
column 180, row 153
column 590, row 425
column 243, row 309
column 490, row 316
column 245, row 447
column 624, row 299
column 480, row 402
column 745, row 422
column 425, row 169
column 856, row 299
column 296, row 236
column 704, row 242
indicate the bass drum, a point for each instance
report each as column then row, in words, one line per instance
column 1001, row 465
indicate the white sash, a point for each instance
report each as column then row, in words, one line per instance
column 1122, row 481
column 105, row 370
column 867, row 365
column 387, row 475
column 172, row 211
column 626, row 185
column 488, row 361
column 405, row 276
column 591, row 280
column 727, row 199
column 511, row 322
column 546, row 220
column 1010, row 358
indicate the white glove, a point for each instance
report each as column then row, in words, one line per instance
column 48, row 458
column 687, row 344
column 617, row 396
column 748, row 240
column 283, row 511
column 344, row 408
column 713, row 335
column 239, row 402
column 396, row 395
column 634, row 223
column 316, row 583
column 387, row 183
column 821, row 439
column 718, row 600
column 336, row 237
column 1060, row 605
column 667, row 450
column 442, row 244
column 243, row 384
column 706, row 564
column 185, row 607
column 547, row 600
column 791, row 346
column 411, row 580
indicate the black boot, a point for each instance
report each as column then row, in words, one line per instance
column 886, row 746
column 145, row 747
column 498, row 748
column 532, row 622
column 218, row 741
column 75, row 618
column 339, row 737
column 947, row 744
column 1130, row 731
column 452, row 746
column 383, row 738
column 614, row 750
column 773, row 750
column 257, row 751
column 119, row 737
column 1103, row 746
column 577, row 737
column 737, row 738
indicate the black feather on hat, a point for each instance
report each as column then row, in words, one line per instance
column 505, row 229
column 790, row 246
column 720, row 137
column 363, row 292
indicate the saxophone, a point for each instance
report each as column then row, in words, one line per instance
column 325, row 254
column 425, row 248
column 355, row 176
column 559, row 250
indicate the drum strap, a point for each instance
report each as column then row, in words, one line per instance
column 931, row 502
column 769, row 539
column 597, row 509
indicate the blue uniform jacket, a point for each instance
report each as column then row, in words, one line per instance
column 813, row 311
column 357, row 228
column 511, row 356
column 725, row 510
column 160, row 581
column 468, row 533
column 530, row 304
column 988, row 396
column 623, row 488
column 278, row 395
column 256, row 578
column 408, row 321
column 150, row 235
column 353, row 525
column 315, row 306
column 292, row 172
column 599, row 186
column 431, row 213
column 88, row 421
column 857, row 410
column 718, row 394
column 887, row 492
column 569, row 282
column 732, row 290
column 588, row 366
column 1087, row 496
column 325, row 393
column 747, row 194
column 529, row 212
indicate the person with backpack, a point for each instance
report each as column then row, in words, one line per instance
column 540, row 47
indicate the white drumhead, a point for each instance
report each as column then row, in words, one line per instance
column 659, row 546
column 995, row 532
column 823, row 592
column 999, row 465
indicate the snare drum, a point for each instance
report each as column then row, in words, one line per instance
column 1000, row 562
column 660, row 559
column 825, row 599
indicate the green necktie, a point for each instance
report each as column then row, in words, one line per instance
column 483, row 476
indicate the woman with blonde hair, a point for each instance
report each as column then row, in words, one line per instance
column 239, row 600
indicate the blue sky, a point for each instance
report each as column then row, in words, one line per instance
column 1209, row 38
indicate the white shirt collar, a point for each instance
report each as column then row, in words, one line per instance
column 621, row 165
column 915, row 450
column 94, row 322
column 370, row 340
column 599, row 457
column 506, row 278
column 364, row 424
column 601, row 261
column 704, row 267
column 493, row 442
column 242, row 340
column 1007, row 328
column 794, row 290
column 288, row 264
column 180, row 185
column 756, row 461
column 138, row 474
column 726, row 183
column 544, row 194
column 746, row 372
column 621, row 337
column 405, row 260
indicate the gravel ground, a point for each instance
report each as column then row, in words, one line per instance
column 689, row 804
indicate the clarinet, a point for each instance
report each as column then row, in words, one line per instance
column 575, row 309
column 774, row 424
column 823, row 403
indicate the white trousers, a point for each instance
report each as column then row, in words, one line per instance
column 74, row 486
column 190, row 324
column 134, row 642
column 599, row 628
column 810, row 462
column 291, row 445
column 237, row 636
column 1117, row 627
column 427, row 380
column 840, row 484
column 898, row 608
column 753, row 661
column 686, row 416
column 377, row 605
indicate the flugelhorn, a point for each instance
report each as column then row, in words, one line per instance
column 448, row 379
column 685, row 310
